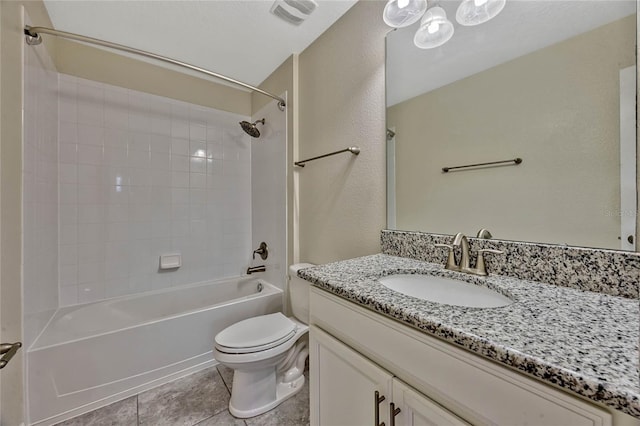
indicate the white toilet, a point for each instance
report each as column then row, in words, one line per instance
column 267, row 353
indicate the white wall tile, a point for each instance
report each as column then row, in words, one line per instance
column 68, row 132
column 90, row 194
column 68, row 275
column 179, row 163
column 134, row 184
column 116, row 287
column 68, row 173
column 90, row 154
column 68, row 295
column 116, row 137
column 90, row 292
column 179, row 146
column 91, row 213
column 40, row 174
column 89, row 134
column 197, row 132
column 68, row 109
column 268, row 186
column 198, row 165
column 90, row 273
column 68, row 255
column 68, row 214
column 88, row 174
column 198, row 148
column 140, row 142
column 179, row 128
column 160, row 143
column 160, row 125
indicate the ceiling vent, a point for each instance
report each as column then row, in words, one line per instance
column 293, row 11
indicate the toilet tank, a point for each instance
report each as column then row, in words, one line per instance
column 299, row 292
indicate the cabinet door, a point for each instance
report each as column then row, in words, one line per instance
column 418, row 410
column 343, row 384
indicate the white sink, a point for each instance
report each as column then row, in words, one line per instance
column 445, row 290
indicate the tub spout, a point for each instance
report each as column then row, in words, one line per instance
column 253, row 269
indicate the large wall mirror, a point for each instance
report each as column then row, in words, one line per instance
column 550, row 82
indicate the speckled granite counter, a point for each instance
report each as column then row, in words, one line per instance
column 582, row 341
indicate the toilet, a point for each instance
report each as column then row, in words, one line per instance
column 267, row 353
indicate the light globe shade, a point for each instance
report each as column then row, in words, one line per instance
column 435, row 29
column 402, row 13
column 475, row 12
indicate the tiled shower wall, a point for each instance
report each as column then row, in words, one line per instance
column 40, row 191
column 269, row 192
column 140, row 176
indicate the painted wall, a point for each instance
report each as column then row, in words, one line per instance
column 562, row 119
column 149, row 76
column 341, row 199
column 40, row 191
column 143, row 175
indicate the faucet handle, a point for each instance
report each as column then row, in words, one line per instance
column 484, row 233
column 263, row 251
column 451, row 260
column 481, row 268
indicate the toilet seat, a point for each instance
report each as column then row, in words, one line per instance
column 255, row 334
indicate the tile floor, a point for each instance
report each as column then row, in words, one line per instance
column 199, row 399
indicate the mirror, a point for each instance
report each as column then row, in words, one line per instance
column 550, row 82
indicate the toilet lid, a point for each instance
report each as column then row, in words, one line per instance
column 256, row 334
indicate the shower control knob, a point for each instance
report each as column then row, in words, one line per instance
column 263, row 251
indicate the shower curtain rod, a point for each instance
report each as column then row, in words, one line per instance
column 33, row 38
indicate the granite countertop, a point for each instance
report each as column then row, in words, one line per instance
column 582, row 341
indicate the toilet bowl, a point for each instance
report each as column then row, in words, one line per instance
column 267, row 353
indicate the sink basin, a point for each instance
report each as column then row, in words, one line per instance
column 445, row 290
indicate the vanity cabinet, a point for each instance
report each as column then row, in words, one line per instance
column 346, row 384
column 349, row 389
column 355, row 352
column 418, row 410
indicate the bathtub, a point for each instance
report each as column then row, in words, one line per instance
column 94, row 354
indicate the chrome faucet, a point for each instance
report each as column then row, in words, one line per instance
column 484, row 234
column 460, row 240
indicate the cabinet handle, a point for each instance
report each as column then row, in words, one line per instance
column 392, row 415
column 376, row 407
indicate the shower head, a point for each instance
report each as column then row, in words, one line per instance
column 251, row 129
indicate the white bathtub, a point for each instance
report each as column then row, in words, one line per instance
column 94, row 354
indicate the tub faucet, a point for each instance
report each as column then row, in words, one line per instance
column 254, row 269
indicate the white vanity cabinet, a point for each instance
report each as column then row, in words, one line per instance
column 349, row 389
column 346, row 384
column 355, row 352
column 415, row 409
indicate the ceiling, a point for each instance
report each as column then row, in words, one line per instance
column 524, row 26
column 237, row 38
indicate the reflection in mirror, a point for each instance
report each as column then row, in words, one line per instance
column 552, row 83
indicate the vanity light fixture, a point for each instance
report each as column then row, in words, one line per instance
column 475, row 12
column 435, row 29
column 402, row 13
